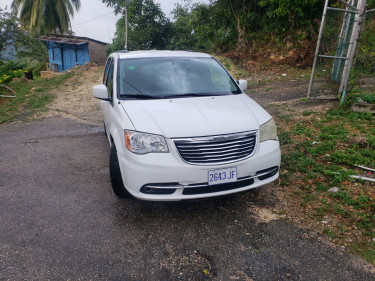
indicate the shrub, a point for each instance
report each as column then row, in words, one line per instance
column 10, row 70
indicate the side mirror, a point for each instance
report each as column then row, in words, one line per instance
column 242, row 84
column 100, row 92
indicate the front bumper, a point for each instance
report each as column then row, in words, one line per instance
column 166, row 177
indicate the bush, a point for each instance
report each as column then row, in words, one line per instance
column 10, row 70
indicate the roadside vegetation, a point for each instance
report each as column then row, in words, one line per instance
column 30, row 97
column 322, row 145
column 321, row 150
column 10, row 70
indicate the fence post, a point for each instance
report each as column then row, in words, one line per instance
column 342, row 50
column 317, row 48
column 356, row 35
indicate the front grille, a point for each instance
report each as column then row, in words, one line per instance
column 217, row 149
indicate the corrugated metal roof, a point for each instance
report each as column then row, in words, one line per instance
column 62, row 40
column 76, row 40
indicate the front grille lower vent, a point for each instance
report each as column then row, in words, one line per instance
column 216, row 149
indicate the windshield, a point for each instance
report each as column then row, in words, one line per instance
column 173, row 77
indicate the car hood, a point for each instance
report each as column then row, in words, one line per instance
column 198, row 116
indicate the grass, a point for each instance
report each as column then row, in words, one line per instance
column 32, row 97
column 364, row 249
column 319, row 151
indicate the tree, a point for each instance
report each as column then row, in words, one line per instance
column 148, row 26
column 46, row 15
column 183, row 33
column 34, row 52
column 9, row 29
column 244, row 16
column 117, row 5
column 193, row 27
column 286, row 15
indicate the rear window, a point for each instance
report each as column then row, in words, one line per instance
column 173, row 77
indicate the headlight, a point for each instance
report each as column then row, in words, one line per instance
column 268, row 131
column 141, row 143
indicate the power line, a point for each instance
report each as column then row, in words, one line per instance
column 92, row 19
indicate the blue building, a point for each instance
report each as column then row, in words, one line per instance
column 65, row 52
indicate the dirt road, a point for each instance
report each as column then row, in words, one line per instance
column 61, row 221
column 75, row 101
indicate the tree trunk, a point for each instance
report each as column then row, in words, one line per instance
column 241, row 30
column 239, row 13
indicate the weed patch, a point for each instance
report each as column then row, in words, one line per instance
column 31, row 97
column 319, row 152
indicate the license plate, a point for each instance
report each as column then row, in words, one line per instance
column 222, row 176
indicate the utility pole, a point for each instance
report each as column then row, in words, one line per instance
column 126, row 24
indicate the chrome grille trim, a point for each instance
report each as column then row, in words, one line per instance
column 217, row 149
column 259, row 174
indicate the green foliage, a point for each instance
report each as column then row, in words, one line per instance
column 9, row 29
column 369, row 98
column 34, row 52
column 11, row 70
column 285, row 138
column 364, row 64
column 148, row 27
column 117, row 5
column 193, row 27
column 330, row 233
column 319, row 153
column 365, row 249
column 49, row 16
column 291, row 14
column 28, row 101
column 362, row 202
column 221, row 25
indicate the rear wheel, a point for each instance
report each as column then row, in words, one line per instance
column 115, row 174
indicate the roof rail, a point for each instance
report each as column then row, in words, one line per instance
column 123, row 51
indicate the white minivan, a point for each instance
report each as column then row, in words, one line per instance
column 180, row 127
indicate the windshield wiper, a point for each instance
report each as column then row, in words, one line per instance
column 186, row 95
column 141, row 96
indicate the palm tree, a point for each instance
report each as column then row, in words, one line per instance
column 49, row 16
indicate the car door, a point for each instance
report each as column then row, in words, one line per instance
column 108, row 82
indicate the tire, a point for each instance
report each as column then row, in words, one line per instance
column 115, row 175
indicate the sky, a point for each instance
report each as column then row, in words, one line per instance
column 95, row 20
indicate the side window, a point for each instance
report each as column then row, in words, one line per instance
column 109, row 82
column 107, row 65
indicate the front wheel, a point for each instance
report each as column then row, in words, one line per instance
column 115, row 174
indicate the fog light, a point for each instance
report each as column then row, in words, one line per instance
column 159, row 189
